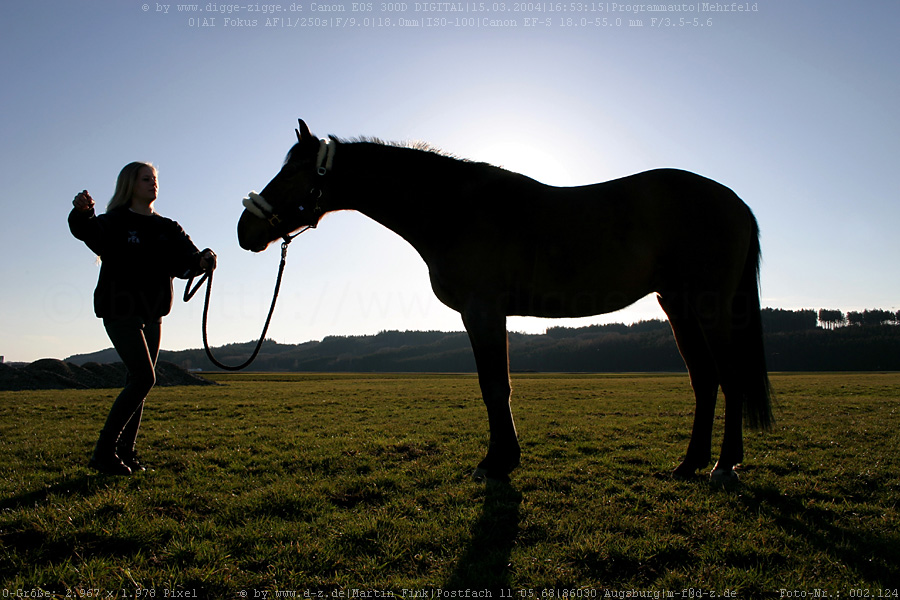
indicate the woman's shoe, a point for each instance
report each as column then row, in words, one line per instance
column 132, row 461
column 109, row 465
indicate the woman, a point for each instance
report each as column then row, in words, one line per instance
column 140, row 253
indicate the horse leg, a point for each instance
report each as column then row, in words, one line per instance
column 732, row 453
column 487, row 333
column 742, row 367
column 704, row 381
column 719, row 334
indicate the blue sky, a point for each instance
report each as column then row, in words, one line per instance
column 792, row 105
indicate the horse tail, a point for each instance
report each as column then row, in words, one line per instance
column 748, row 335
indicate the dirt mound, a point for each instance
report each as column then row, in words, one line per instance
column 52, row 374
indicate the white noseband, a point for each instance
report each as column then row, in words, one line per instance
column 257, row 205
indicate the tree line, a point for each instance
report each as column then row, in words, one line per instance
column 776, row 320
column 831, row 319
column 796, row 340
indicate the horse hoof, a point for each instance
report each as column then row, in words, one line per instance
column 481, row 475
column 684, row 473
column 724, row 476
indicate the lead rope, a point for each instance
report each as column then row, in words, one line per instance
column 208, row 277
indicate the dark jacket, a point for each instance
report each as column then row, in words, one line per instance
column 139, row 257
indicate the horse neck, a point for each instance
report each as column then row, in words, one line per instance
column 400, row 187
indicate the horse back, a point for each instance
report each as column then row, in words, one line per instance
column 578, row 251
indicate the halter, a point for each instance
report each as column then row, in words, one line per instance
column 258, row 206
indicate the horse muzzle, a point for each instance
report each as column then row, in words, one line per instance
column 253, row 234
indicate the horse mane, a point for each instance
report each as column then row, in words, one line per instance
column 410, row 145
column 424, row 150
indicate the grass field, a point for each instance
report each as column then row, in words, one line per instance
column 329, row 483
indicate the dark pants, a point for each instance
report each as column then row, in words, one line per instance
column 138, row 346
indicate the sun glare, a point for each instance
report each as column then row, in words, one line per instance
column 546, row 165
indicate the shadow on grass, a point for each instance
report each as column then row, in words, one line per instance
column 30, row 541
column 83, row 484
column 485, row 562
column 872, row 552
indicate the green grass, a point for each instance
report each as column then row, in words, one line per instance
column 333, row 482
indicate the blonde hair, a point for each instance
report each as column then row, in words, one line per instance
column 125, row 184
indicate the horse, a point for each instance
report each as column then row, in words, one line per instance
column 498, row 243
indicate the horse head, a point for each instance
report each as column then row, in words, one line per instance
column 291, row 200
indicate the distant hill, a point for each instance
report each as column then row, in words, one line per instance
column 794, row 342
column 53, row 374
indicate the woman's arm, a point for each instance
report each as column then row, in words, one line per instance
column 83, row 222
column 188, row 261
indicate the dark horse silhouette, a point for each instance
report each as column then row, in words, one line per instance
column 498, row 243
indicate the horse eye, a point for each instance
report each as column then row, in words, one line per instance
column 294, row 168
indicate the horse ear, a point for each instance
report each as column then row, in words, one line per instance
column 303, row 131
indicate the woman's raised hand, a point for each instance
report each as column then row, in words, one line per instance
column 83, row 202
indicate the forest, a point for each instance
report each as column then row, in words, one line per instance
column 796, row 340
